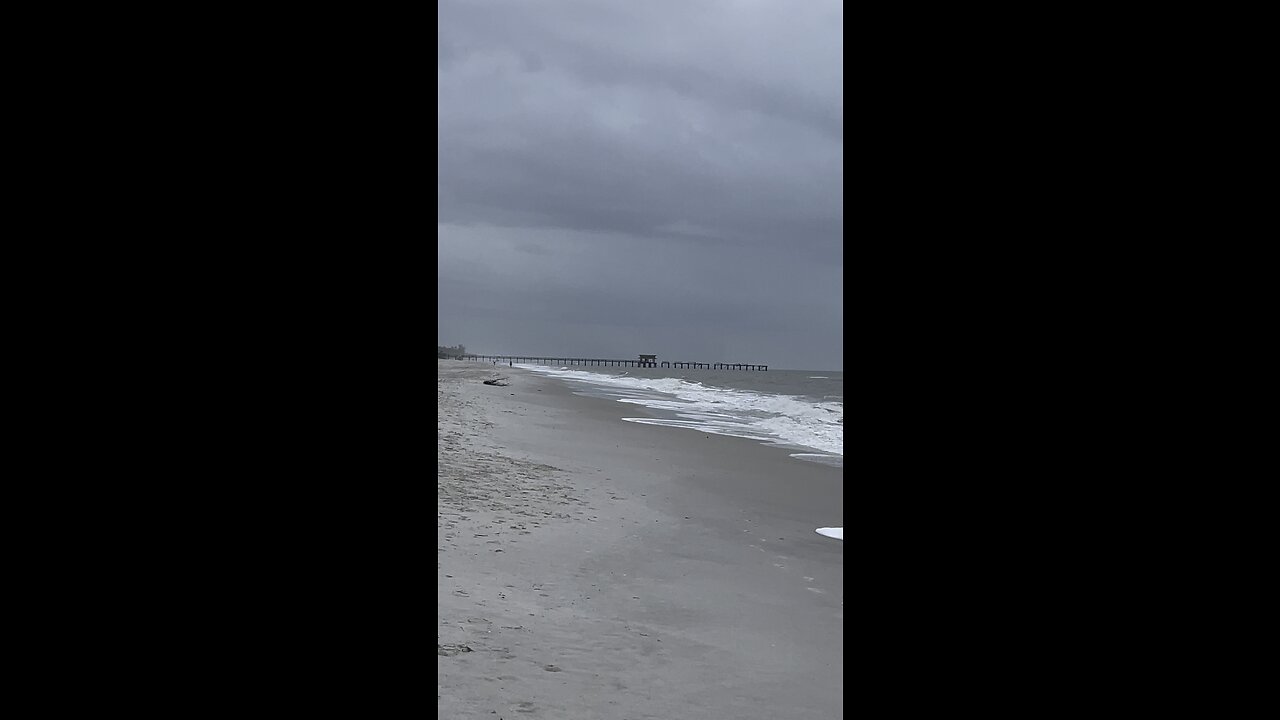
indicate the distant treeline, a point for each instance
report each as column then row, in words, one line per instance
column 450, row 352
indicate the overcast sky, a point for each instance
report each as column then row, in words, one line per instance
column 618, row 178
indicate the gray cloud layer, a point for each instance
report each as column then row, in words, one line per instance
column 626, row 177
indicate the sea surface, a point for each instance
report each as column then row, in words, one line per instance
column 801, row 410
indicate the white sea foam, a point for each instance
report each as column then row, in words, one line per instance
column 783, row 419
column 821, row 458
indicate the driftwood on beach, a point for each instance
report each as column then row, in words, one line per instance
column 500, row 382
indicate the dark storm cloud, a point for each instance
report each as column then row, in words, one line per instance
column 664, row 175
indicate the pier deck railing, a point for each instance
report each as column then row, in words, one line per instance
column 571, row 362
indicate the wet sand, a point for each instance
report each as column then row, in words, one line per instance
column 588, row 567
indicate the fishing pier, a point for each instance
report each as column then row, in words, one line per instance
column 642, row 361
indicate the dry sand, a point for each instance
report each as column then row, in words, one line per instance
column 592, row 568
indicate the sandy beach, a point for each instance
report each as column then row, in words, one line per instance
column 588, row 567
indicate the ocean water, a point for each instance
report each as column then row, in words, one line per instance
column 801, row 410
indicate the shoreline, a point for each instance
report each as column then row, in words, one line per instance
column 688, row 411
column 592, row 567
